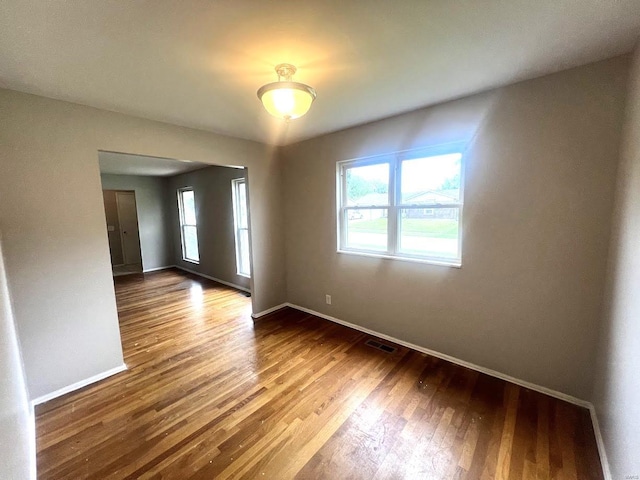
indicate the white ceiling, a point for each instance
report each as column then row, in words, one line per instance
column 199, row 63
column 126, row 164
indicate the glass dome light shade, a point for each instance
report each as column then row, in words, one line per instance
column 287, row 100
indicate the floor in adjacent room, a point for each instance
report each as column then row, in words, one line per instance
column 129, row 269
column 209, row 394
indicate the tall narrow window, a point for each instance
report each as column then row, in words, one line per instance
column 241, row 223
column 188, row 225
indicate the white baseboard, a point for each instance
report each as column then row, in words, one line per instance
column 209, row 277
column 270, row 310
column 155, row 269
column 78, row 385
column 600, row 442
column 449, row 358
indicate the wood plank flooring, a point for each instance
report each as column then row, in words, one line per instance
column 211, row 395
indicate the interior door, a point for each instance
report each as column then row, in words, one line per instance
column 128, row 217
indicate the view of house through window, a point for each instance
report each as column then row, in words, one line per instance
column 404, row 206
column 241, row 222
column 188, row 225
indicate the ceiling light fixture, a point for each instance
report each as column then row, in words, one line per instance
column 286, row 99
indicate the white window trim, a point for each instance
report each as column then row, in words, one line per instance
column 235, row 183
column 184, row 224
column 394, row 205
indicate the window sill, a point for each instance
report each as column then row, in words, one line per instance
column 243, row 275
column 190, row 261
column 440, row 263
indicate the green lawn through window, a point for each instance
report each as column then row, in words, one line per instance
column 419, row 227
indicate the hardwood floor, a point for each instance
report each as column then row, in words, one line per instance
column 211, row 395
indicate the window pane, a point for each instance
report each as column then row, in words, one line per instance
column 188, row 207
column 242, row 200
column 429, row 232
column 368, row 185
column 243, row 260
column 240, row 213
column 191, row 243
column 431, row 180
column 367, row 229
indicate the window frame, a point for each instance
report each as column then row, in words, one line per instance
column 235, row 183
column 394, row 205
column 184, row 224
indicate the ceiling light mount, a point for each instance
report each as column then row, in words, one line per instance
column 285, row 71
column 285, row 98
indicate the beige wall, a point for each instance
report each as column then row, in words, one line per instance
column 617, row 383
column 52, row 220
column 16, row 418
column 214, row 210
column 540, row 180
column 156, row 243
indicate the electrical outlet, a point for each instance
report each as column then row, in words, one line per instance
column 328, row 299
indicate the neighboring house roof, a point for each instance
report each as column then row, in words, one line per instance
column 433, row 196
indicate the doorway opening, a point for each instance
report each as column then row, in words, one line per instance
column 186, row 215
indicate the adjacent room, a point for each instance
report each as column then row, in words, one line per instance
column 321, row 240
column 162, row 213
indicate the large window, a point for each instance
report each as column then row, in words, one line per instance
column 241, row 222
column 188, row 225
column 407, row 205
